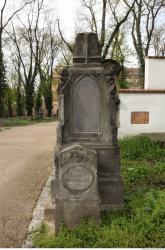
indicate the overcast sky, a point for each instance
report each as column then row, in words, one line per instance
column 66, row 11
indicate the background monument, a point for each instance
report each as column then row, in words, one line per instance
column 87, row 158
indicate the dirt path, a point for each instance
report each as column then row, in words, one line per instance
column 26, row 161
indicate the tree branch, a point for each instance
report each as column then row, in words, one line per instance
column 118, row 25
column 15, row 12
column 102, row 39
column 63, row 39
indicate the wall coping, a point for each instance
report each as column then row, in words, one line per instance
column 141, row 91
column 154, row 57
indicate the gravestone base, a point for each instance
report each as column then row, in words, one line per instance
column 49, row 215
column 111, row 192
column 109, row 179
column 72, row 212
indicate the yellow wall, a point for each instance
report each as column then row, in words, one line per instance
column 55, row 81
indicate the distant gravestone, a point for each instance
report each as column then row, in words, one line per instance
column 87, row 158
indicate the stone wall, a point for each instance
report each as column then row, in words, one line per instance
column 155, row 72
column 141, row 111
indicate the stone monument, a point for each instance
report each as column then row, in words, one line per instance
column 87, row 157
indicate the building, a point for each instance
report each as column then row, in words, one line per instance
column 142, row 110
column 55, row 81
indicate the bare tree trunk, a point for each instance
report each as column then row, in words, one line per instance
column 29, row 98
column 144, row 11
column 3, row 24
column 105, row 44
column 2, row 79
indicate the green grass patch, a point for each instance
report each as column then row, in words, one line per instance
column 140, row 148
column 2, row 129
column 142, row 221
column 14, row 122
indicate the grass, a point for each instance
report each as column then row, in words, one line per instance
column 142, row 221
column 14, row 122
column 2, row 129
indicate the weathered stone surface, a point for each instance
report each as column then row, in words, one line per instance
column 87, row 49
column 86, row 106
column 88, row 111
column 77, row 194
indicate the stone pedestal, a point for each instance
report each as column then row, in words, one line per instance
column 87, row 113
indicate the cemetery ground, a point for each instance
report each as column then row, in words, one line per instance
column 22, row 121
column 26, row 161
column 142, row 221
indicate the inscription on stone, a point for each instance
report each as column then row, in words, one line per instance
column 77, row 178
column 86, row 106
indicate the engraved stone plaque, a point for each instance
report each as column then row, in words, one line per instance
column 86, row 106
column 140, row 118
column 77, row 178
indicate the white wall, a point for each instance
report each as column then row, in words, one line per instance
column 154, row 103
column 154, row 73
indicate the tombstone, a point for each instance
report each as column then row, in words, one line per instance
column 76, row 186
column 87, row 158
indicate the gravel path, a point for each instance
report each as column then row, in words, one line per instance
column 26, row 161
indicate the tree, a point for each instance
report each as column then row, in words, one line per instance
column 111, row 21
column 38, row 100
column 10, row 96
column 3, row 24
column 47, row 54
column 144, row 15
column 65, row 58
column 3, row 84
column 35, row 47
column 19, row 87
column 27, row 41
column 158, row 41
column 120, row 52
